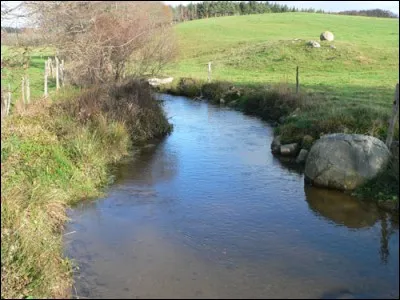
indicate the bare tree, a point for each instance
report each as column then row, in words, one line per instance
column 8, row 13
column 99, row 38
column 14, row 60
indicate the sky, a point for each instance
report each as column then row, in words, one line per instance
column 332, row 6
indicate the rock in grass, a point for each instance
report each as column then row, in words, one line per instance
column 314, row 44
column 327, row 36
column 276, row 145
column 345, row 161
column 290, row 149
column 159, row 81
column 301, row 158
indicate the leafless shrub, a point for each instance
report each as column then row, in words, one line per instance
column 130, row 102
column 99, row 38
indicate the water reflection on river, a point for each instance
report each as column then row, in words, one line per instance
column 210, row 213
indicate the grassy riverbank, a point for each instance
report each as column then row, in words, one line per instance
column 295, row 115
column 55, row 153
column 300, row 115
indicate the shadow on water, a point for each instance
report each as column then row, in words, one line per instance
column 345, row 210
column 389, row 225
column 148, row 167
column 340, row 208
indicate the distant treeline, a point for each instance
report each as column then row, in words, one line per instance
column 370, row 13
column 11, row 29
column 209, row 9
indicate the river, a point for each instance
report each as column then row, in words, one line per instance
column 208, row 212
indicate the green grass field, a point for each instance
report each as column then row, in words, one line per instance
column 260, row 49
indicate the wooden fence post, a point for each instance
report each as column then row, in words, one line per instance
column 23, row 90
column 46, row 74
column 393, row 119
column 209, row 72
column 297, row 79
column 3, row 106
column 57, row 74
column 9, row 100
column 62, row 72
column 46, row 67
column 45, row 85
column 28, row 91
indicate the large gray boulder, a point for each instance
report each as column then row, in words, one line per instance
column 327, row 36
column 345, row 161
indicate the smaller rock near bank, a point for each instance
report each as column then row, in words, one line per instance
column 301, row 158
column 290, row 149
column 159, row 81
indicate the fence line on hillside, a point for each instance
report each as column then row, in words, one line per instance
column 52, row 68
column 297, row 76
column 392, row 121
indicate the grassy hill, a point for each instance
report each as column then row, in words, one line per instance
column 261, row 49
column 347, row 88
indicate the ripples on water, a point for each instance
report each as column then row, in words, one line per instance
column 210, row 213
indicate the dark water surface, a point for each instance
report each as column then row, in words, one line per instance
column 210, row 213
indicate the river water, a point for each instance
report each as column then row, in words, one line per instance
column 208, row 212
